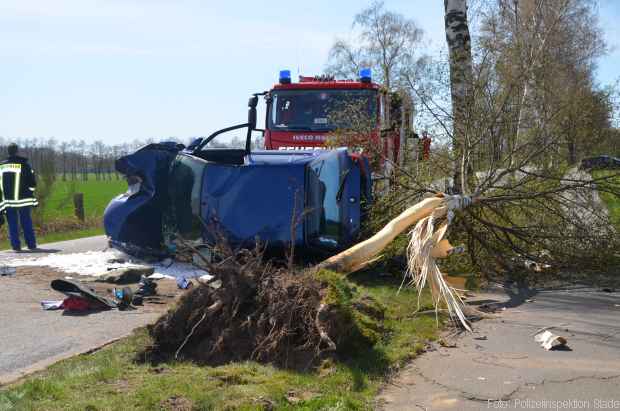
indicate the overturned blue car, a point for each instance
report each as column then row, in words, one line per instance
column 314, row 199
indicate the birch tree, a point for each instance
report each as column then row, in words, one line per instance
column 461, row 75
column 517, row 109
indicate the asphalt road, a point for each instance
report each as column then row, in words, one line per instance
column 97, row 243
column 31, row 338
column 500, row 366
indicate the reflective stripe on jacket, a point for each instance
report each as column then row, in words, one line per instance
column 17, row 183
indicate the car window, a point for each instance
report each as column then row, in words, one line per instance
column 185, row 190
column 324, row 214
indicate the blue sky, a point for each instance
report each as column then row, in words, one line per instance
column 118, row 70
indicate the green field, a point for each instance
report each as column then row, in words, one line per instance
column 97, row 195
column 55, row 220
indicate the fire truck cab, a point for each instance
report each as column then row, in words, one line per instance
column 301, row 115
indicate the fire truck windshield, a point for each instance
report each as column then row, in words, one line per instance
column 321, row 110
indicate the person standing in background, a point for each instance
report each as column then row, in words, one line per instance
column 17, row 185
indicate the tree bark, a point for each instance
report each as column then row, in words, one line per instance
column 461, row 74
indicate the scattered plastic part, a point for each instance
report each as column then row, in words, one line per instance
column 183, row 283
column 205, row 278
column 51, row 304
column 75, row 303
column 146, row 287
column 550, row 341
column 7, row 271
column 75, row 288
column 125, row 297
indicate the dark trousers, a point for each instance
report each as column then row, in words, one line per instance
column 16, row 217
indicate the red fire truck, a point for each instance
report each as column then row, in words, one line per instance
column 298, row 115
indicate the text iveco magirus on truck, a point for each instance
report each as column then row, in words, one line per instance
column 244, row 195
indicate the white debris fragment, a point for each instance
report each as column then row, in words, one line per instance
column 96, row 263
column 549, row 340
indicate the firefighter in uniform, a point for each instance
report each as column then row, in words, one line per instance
column 17, row 185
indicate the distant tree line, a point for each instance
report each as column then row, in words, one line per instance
column 74, row 160
column 77, row 160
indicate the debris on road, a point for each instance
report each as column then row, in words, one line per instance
column 7, row 271
column 96, row 263
column 550, row 341
column 76, row 289
column 183, row 283
column 80, row 304
column 127, row 275
column 51, row 304
column 446, row 344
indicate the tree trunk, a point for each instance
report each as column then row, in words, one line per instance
column 461, row 74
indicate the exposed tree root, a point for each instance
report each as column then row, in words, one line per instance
column 262, row 313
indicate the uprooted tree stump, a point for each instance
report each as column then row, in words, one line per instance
column 266, row 314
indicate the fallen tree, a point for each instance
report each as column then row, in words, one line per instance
column 294, row 318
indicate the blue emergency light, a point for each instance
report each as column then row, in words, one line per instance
column 285, row 76
column 365, row 75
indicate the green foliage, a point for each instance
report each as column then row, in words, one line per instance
column 611, row 200
column 358, row 313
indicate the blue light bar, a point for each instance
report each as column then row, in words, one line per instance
column 285, row 76
column 365, row 75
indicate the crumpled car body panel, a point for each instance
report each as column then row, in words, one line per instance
column 136, row 220
column 260, row 201
column 272, row 197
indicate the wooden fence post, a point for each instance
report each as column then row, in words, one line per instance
column 78, row 204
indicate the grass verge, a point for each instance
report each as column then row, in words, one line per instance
column 111, row 379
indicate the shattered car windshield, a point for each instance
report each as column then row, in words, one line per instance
column 320, row 110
